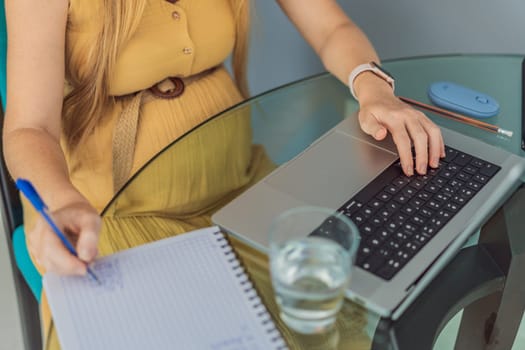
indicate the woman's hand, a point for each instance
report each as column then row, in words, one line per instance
column 81, row 223
column 381, row 112
column 342, row 46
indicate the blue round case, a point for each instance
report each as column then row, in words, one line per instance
column 463, row 100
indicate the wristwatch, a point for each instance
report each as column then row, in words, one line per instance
column 369, row 67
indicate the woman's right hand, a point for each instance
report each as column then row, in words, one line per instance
column 81, row 224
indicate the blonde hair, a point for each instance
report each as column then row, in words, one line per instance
column 88, row 101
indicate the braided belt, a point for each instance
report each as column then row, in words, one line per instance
column 125, row 133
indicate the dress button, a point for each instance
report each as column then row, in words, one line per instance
column 187, row 50
column 175, row 15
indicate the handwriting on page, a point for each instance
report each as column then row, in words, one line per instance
column 244, row 341
column 109, row 274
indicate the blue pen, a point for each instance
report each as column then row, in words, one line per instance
column 32, row 195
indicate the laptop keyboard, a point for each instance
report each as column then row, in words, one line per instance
column 397, row 215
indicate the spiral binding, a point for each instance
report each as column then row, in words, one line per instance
column 250, row 291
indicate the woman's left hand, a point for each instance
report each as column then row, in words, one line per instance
column 382, row 112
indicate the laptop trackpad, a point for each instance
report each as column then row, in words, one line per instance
column 331, row 171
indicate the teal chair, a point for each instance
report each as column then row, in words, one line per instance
column 28, row 281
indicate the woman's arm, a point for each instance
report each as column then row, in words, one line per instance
column 342, row 46
column 35, row 85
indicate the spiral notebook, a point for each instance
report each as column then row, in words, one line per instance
column 184, row 292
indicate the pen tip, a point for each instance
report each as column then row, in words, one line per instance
column 95, row 278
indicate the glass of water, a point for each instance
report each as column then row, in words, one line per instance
column 312, row 252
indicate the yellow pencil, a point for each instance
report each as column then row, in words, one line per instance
column 458, row 117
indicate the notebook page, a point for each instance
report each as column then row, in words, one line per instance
column 179, row 292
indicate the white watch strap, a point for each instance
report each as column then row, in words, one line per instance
column 365, row 68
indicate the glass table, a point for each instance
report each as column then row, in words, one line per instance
column 284, row 121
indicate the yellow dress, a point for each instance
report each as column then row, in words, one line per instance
column 182, row 189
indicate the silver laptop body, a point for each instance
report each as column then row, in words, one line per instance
column 333, row 169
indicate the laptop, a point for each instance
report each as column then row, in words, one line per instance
column 410, row 228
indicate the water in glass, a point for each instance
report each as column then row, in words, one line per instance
column 310, row 276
